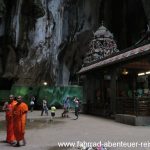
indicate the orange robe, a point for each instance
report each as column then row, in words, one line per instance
column 9, row 121
column 19, row 117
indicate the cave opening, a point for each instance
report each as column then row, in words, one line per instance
column 5, row 84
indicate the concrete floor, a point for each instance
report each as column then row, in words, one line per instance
column 42, row 134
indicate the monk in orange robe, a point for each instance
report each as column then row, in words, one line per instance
column 19, row 118
column 8, row 108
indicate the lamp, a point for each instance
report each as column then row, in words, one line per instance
column 141, row 74
column 45, row 83
column 148, row 72
column 124, row 72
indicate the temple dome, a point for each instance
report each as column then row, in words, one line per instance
column 103, row 32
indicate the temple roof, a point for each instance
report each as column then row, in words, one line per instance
column 103, row 32
column 143, row 50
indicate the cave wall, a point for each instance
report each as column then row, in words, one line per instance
column 34, row 33
column 46, row 40
column 146, row 6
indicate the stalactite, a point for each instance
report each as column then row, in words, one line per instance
column 16, row 22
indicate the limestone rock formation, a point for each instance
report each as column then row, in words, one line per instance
column 46, row 40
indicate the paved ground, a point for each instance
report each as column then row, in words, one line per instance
column 43, row 134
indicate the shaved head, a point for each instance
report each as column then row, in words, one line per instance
column 19, row 99
column 11, row 96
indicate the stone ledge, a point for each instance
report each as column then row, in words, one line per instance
column 133, row 120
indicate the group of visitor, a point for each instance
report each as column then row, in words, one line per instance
column 44, row 107
column 16, row 116
column 66, row 107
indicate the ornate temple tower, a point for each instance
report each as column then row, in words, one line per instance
column 101, row 46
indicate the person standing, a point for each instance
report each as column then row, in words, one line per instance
column 76, row 100
column 66, row 106
column 32, row 103
column 44, row 107
column 19, row 118
column 53, row 109
column 8, row 108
